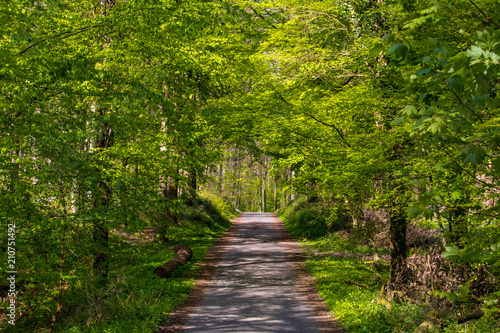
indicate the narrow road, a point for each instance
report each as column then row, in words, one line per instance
column 255, row 287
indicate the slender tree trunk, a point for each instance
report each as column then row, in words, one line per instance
column 103, row 191
column 355, row 212
column 238, row 199
column 288, row 179
column 220, row 179
column 102, row 195
column 276, row 191
column 169, row 192
column 191, row 186
column 260, row 191
column 398, row 226
column 283, row 196
column 264, row 199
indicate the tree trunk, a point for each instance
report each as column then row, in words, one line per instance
column 288, row 180
column 103, row 192
column 191, row 186
column 398, row 226
column 264, row 175
column 182, row 255
column 276, row 191
column 102, row 198
column 169, row 192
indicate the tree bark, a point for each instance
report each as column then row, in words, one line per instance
column 398, row 226
column 182, row 255
column 169, row 192
column 276, row 191
column 264, row 175
column 102, row 198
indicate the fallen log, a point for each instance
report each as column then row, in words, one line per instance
column 470, row 316
column 182, row 255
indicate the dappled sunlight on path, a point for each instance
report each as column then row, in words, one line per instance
column 254, row 288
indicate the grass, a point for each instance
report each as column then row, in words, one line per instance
column 134, row 298
column 351, row 291
column 336, row 242
column 137, row 300
column 351, row 287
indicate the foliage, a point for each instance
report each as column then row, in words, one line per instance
column 305, row 219
column 114, row 113
column 103, row 102
column 353, row 290
column 135, row 298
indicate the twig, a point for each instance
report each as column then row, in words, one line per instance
column 484, row 14
column 78, row 31
column 330, row 125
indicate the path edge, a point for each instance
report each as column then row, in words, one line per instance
column 306, row 284
column 177, row 319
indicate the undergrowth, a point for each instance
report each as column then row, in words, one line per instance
column 135, row 299
column 351, row 286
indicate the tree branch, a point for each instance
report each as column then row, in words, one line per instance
column 69, row 34
column 319, row 121
column 262, row 17
column 484, row 14
column 330, row 125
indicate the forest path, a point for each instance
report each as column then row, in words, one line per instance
column 257, row 284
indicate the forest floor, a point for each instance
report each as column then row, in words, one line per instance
column 254, row 281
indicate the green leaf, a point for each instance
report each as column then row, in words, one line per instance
column 398, row 51
column 471, row 158
column 435, row 127
column 423, row 71
column 429, row 213
column 398, row 121
column 442, row 62
column 388, row 38
column 440, row 167
column 376, row 49
column 455, row 83
column 442, row 50
column 451, row 252
column 412, row 211
column 475, row 52
column 409, row 110
column 457, row 64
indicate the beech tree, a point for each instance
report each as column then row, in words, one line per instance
column 114, row 113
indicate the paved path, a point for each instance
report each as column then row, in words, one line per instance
column 254, row 287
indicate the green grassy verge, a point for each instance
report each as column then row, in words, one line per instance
column 135, row 299
column 351, row 287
